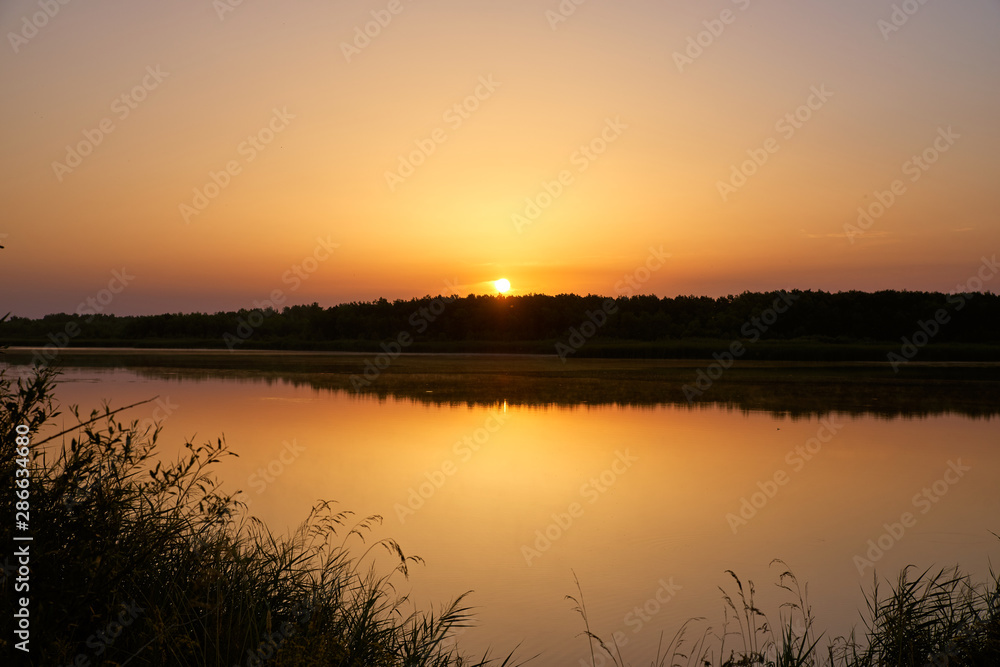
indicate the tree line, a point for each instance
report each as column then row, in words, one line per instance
column 817, row 316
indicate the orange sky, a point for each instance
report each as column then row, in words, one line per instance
column 665, row 124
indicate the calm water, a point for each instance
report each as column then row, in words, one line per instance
column 643, row 503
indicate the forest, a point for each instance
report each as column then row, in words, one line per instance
column 619, row 326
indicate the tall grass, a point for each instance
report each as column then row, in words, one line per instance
column 933, row 619
column 137, row 562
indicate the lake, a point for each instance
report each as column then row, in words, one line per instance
column 507, row 475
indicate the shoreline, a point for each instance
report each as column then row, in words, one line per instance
column 688, row 350
column 796, row 388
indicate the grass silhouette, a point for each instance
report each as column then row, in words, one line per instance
column 136, row 562
column 933, row 619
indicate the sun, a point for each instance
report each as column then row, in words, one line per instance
column 502, row 285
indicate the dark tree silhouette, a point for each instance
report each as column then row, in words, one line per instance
column 642, row 325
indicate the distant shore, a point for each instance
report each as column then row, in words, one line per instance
column 791, row 325
column 811, row 387
column 763, row 350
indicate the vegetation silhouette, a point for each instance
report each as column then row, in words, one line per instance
column 144, row 562
column 817, row 325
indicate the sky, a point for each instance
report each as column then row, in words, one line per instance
column 204, row 155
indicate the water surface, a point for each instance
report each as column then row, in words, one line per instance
column 641, row 499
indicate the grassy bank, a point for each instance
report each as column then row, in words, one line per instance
column 137, row 562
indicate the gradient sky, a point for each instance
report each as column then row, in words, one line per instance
column 324, row 174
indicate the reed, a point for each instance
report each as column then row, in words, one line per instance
column 933, row 619
column 137, row 562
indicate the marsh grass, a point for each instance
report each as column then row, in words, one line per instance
column 137, row 562
column 932, row 619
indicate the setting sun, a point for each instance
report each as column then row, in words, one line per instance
column 502, row 285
